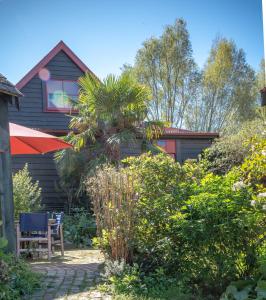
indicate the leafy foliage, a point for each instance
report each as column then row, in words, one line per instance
column 254, row 166
column 27, row 194
column 228, row 87
column 130, row 280
column 79, row 227
column 202, row 228
column 16, row 278
column 231, row 149
column 254, row 288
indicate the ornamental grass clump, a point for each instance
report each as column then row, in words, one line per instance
column 114, row 202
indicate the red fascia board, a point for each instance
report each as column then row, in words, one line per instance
column 61, row 46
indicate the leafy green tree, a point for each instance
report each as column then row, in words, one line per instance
column 27, row 194
column 165, row 64
column 261, row 81
column 228, row 88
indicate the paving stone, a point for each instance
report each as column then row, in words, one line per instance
column 71, row 278
column 61, row 293
column 47, row 297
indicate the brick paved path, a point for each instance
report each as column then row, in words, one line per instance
column 73, row 277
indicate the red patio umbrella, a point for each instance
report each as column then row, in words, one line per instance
column 24, row 140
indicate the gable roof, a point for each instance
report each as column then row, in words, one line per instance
column 61, row 46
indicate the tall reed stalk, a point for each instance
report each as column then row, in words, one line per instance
column 114, row 203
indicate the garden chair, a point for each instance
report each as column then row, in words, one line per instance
column 57, row 231
column 34, row 228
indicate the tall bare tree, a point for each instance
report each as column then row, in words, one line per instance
column 166, row 65
column 228, row 89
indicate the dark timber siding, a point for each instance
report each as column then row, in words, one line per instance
column 190, row 148
column 32, row 115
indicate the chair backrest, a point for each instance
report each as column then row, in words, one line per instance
column 33, row 222
column 58, row 217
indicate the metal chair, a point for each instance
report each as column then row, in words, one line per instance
column 34, row 228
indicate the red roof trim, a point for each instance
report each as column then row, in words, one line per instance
column 61, row 46
column 179, row 132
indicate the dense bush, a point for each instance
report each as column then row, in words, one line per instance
column 201, row 228
column 254, row 167
column 16, row 278
column 79, row 227
column 27, row 194
column 231, row 149
column 125, row 279
column 248, row 289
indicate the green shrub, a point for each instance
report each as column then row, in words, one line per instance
column 27, row 194
column 16, row 278
column 254, row 167
column 203, row 229
column 248, row 289
column 124, row 279
column 79, row 227
column 230, row 150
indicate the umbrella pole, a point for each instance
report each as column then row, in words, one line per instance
column 6, row 187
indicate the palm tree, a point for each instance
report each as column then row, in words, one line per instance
column 111, row 113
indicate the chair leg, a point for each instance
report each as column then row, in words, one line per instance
column 53, row 245
column 62, row 240
column 49, row 241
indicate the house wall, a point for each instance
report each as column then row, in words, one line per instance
column 190, row 148
column 32, row 114
column 186, row 148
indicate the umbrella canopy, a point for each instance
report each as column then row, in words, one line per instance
column 24, row 140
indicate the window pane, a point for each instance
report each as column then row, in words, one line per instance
column 54, row 85
column 161, row 143
column 54, row 93
column 66, row 101
column 71, row 88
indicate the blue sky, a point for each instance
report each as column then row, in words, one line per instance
column 106, row 34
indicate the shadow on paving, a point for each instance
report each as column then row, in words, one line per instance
column 72, row 277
